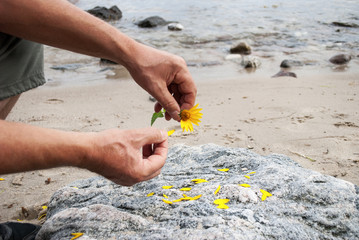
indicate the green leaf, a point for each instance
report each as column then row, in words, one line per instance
column 156, row 115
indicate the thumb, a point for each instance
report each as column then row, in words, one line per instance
column 152, row 135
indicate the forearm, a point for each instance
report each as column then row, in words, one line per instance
column 61, row 24
column 25, row 147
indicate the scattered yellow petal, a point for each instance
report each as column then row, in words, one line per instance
column 222, row 206
column 169, row 133
column 185, row 195
column 177, row 200
column 164, row 195
column 217, row 190
column 166, row 201
column 75, row 187
column 221, row 201
column 196, row 181
column 223, row 169
column 265, row 194
column 2, row 179
column 252, row 173
column 185, row 189
column 247, row 176
column 19, row 220
column 186, row 198
column 167, row 187
column 244, row 185
column 42, row 216
column 150, row 194
column 197, row 197
column 76, row 235
column 44, row 207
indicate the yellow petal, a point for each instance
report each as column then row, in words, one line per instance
column 186, row 198
column 169, row 133
column 217, row 190
column 167, row 187
column 252, row 173
column 19, row 220
column 223, row 169
column 166, row 201
column 2, row 179
column 197, row 197
column 44, row 207
column 164, row 195
column 75, row 187
column 222, row 206
column 221, row 201
column 247, row 176
column 185, row 189
column 76, row 235
column 196, row 181
column 184, row 195
column 244, row 185
column 265, row 194
column 177, row 200
column 150, row 194
column 42, row 216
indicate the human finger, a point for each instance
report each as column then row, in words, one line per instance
column 156, row 161
column 150, row 135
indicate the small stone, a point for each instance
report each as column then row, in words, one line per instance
column 152, row 22
column 290, row 63
column 285, row 74
column 175, row 27
column 340, row 59
column 242, row 48
column 18, row 180
column 252, row 62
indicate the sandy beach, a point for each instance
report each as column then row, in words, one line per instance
column 313, row 119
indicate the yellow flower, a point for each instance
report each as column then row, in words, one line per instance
column 150, row 194
column 169, row 133
column 265, row 194
column 244, row 185
column 190, row 116
column 167, row 187
column 223, row 170
column 217, row 190
column 185, row 189
column 76, row 235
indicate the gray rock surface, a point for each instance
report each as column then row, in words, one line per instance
column 304, row 204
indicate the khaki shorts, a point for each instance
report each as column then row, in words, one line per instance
column 21, row 65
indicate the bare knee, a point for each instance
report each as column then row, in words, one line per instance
column 6, row 105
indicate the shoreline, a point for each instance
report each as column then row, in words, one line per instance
column 313, row 119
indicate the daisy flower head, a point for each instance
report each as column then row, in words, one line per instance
column 190, row 116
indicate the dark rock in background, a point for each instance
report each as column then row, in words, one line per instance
column 287, row 63
column 108, row 14
column 340, row 59
column 342, row 24
column 304, row 204
column 152, row 22
column 242, row 48
column 285, row 74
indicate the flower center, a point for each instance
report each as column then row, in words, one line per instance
column 185, row 115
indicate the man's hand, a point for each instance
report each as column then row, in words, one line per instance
column 117, row 155
column 165, row 77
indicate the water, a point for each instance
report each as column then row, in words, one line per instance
column 275, row 30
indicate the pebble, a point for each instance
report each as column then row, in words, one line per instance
column 175, row 27
column 287, row 63
column 242, row 48
column 340, row 59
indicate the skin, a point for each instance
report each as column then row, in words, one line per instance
column 123, row 156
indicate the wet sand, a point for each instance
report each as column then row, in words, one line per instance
column 313, row 119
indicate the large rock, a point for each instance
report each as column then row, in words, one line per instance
column 304, row 204
column 108, row 14
column 152, row 22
